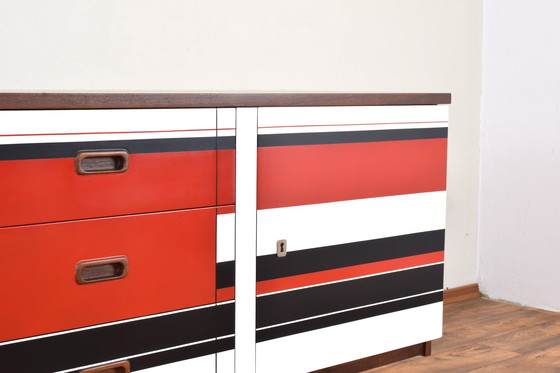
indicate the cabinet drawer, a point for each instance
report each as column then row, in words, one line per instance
column 171, row 265
column 49, row 189
column 67, row 165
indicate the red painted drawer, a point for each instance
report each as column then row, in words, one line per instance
column 42, row 185
column 171, row 259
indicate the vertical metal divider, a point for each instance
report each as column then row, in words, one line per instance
column 245, row 239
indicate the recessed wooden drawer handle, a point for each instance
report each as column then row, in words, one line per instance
column 101, row 162
column 101, row 270
column 119, row 367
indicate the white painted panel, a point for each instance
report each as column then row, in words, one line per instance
column 226, row 121
column 347, row 128
column 99, row 121
column 203, row 364
column 4, row 140
column 225, row 238
column 225, row 362
column 297, row 116
column 245, row 238
column 334, row 223
column 305, row 352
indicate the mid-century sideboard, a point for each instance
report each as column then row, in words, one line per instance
column 219, row 232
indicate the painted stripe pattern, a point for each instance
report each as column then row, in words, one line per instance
column 290, row 139
column 314, row 301
column 338, row 318
column 47, row 150
column 196, row 330
column 359, row 196
column 99, row 121
column 328, row 346
column 349, row 254
column 70, row 149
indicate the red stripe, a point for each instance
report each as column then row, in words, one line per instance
column 226, row 209
column 226, row 177
column 46, row 190
column 40, row 295
column 225, row 294
column 316, row 278
column 308, row 174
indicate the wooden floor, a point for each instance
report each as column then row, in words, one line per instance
column 482, row 336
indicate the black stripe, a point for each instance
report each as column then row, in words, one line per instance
column 70, row 149
column 287, row 139
column 111, row 342
column 184, row 353
column 348, row 254
column 225, row 274
column 226, row 142
column 179, row 354
column 348, row 316
column 314, row 301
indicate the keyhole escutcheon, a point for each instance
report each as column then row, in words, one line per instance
column 281, row 248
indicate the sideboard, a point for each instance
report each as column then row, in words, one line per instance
column 219, row 232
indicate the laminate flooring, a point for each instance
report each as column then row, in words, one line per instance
column 484, row 336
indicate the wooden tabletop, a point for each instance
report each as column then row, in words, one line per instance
column 52, row 101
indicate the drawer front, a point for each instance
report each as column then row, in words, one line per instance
column 168, row 168
column 171, row 265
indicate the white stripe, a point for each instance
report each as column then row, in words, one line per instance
column 96, row 121
column 335, row 223
column 142, row 354
column 225, row 238
column 348, row 128
column 104, row 137
column 346, row 279
column 225, row 362
column 108, row 324
column 349, row 309
column 226, row 133
column 309, row 351
column 297, row 116
column 226, row 122
column 245, row 234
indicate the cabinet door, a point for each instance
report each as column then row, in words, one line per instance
column 355, row 196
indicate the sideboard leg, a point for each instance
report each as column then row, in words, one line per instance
column 427, row 348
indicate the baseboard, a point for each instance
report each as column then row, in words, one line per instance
column 461, row 293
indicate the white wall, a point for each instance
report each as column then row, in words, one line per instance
column 519, row 228
column 309, row 45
